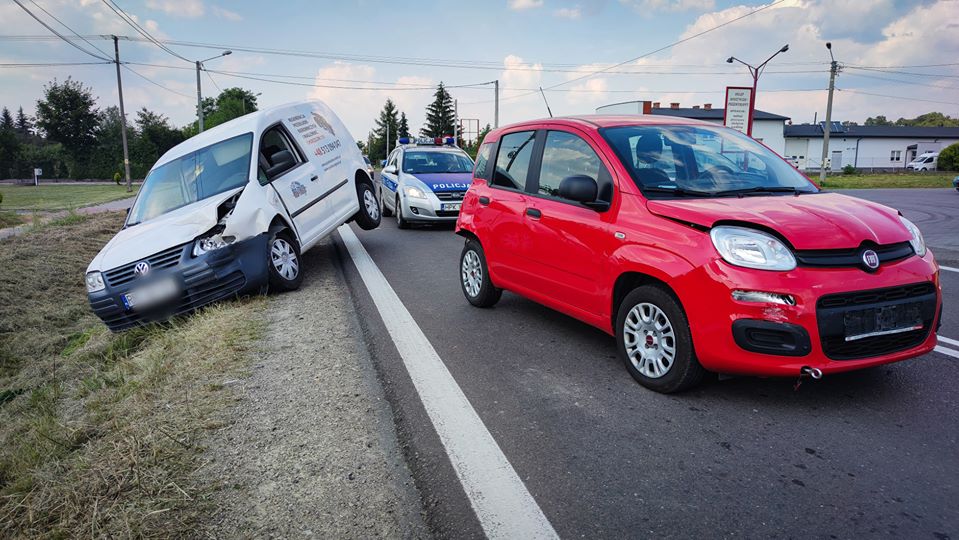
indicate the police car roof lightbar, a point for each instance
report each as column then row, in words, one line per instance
column 428, row 141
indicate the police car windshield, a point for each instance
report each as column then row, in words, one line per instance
column 436, row 162
column 193, row 177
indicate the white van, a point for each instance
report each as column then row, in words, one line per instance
column 924, row 162
column 229, row 212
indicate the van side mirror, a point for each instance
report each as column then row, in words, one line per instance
column 582, row 189
column 282, row 161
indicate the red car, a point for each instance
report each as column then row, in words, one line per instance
column 699, row 248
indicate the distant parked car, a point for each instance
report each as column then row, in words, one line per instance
column 925, row 162
column 229, row 212
column 955, row 183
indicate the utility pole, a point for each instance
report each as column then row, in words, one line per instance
column 199, row 97
column 496, row 105
column 833, row 70
column 456, row 121
column 123, row 116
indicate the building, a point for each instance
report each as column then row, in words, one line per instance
column 768, row 128
column 864, row 147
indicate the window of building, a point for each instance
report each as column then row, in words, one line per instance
column 895, row 155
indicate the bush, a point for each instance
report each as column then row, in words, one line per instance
column 848, row 169
column 949, row 158
column 117, row 177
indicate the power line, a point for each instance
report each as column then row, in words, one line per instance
column 208, row 74
column 901, row 81
column 151, row 81
column 907, row 98
column 52, row 64
column 58, row 34
column 52, row 16
column 140, row 30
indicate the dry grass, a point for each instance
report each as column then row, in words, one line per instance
column 10, row 219
column 99, row 431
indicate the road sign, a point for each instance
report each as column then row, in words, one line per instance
column 738, row 108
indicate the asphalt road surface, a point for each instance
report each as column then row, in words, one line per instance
column 871, row 453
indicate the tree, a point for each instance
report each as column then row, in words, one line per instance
column 229, row 104
column 23, row 125
column 439, row 114
column 878, row 121
column 404, row 126
column 6, row 120
column 9, row 153
column 473, row 148
column 156, row 129
column 245, row 98
column 949, row 158
column 388, row 122
column 67, row 114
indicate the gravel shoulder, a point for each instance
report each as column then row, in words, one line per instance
column 310, row 449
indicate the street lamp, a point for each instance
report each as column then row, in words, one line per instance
column 755, row 72
column 199, row 97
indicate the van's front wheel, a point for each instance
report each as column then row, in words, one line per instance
column 283, row 258
column 368, row 216
column 654, row 341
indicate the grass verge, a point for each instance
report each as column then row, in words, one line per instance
column 99, row 432
column 10, row 219
column 890, row 180
column 47, row 197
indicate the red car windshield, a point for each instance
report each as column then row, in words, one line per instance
column 701, row 161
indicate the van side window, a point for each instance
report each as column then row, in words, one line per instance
column 513, row 159
column 482, row 162
column 567, row 155
column 277, row 154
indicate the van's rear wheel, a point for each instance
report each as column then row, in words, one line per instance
column 368, row 216
column 283, row 256
column 654, row 341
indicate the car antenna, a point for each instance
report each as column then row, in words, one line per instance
column 547, row 102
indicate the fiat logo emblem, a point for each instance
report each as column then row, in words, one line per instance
column 871, row 259
column 142, row 268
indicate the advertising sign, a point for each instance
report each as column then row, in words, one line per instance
column 738, row 108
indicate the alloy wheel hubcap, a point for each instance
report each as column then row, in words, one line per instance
column 650, row 340
column 284, row 259
column 472, row 273
column 372, row 207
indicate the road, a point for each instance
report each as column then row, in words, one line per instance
column 871, row 453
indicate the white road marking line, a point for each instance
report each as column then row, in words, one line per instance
column 952, row 342
column 947, row 352
column 503, row 505
column 949, row 268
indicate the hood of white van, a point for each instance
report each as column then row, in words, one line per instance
column 163, row 232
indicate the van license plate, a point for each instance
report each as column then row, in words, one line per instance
column 150, row 295
column 882, row 321
column 451, row 206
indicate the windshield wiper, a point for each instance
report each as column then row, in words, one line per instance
column 679, row 191
column 763, row 189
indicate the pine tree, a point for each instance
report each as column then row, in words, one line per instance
column 23, row 125
column 439, row 114
column 404, row 127
column 386, row 123
column 6, row 120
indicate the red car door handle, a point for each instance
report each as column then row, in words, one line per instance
column 534, row 213
column 484, row 201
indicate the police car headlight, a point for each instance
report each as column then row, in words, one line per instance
column 95, row 282
column 210, row 243
column 752, row 249
column 414, row 192
column 918, row 243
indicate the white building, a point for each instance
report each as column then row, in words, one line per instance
column 767, row 127
column 864, row 147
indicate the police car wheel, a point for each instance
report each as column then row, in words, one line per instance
column 368, row 216
column 283, row 262
column 383, row 208
column 474, row 276
column 401, row 222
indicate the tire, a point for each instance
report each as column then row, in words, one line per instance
column 401, row 221
column 368, row 216
column 653, row 312
column 383, row 209
column 474, row 276
column 284, row 275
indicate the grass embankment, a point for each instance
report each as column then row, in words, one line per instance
column 890, row 180
column 10, row 219
column 99, row 431
column 46, row 197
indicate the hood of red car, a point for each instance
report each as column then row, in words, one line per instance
column 812, row 221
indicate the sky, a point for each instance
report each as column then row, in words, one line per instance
column 899, row 58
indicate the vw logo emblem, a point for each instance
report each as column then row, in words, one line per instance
column 142, row 268
column 870, row 259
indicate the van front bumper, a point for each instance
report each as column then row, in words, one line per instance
column 234, row 270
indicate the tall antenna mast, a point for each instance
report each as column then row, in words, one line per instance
column 547, row 102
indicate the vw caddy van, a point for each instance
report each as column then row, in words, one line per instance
column 229, row 212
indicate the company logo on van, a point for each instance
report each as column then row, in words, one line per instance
column 320, row 121
column 298, row 189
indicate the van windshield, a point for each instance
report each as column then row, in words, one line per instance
column 193, row 177
column 701, row 161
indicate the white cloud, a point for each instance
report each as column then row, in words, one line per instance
column 569, row 13
column 224, row 13
column 651, row 6
column 519, row 5
column 178, row 8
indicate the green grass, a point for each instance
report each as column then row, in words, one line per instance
column 100, row 433
column 890, row 180
column 10, row 219
column 48, row 197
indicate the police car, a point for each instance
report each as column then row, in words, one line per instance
column 424, row 181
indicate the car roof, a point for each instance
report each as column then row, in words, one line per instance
column 598, row 121
column 411, row 147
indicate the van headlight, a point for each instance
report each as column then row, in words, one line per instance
column 210, row 243
column 95, row 282
column 917, row 242
column 751, row 248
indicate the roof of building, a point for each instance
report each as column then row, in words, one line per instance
column 839, row 130
column 712, row 114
